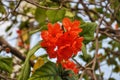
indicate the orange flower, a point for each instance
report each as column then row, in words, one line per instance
column 19, row 32
column 50, row 37
column 53, row 33
column 66, row 38
column 71, row 26
column 64, row 53
column 68, row 45
column 77, row 44
column 62, row 44
column 69, row 65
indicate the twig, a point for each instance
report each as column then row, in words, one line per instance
column 11, row 11
column 82, row 75
column 97, row 47
column 17, row 6
column 86, row 10
column 110, row 36
column 43, row 7
column 96, row 40
column 78, row 63
column 5, row 78
column 89, row 63
column 100, row 70
column 85, row 69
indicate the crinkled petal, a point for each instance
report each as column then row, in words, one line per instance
column 77, row 44
column 44, row 35
column 65, row 52
column 67, row 23
column 76, row 24
column 51, row 52
column 69, row 65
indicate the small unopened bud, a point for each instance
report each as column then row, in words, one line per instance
column 7, row 50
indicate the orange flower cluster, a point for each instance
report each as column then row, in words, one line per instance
column 62, row 42
column 69, row 65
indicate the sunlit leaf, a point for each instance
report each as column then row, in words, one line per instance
column 69, row 14
column 40, row 15
column 39, row 63
column 55, row 15
column 33, row 57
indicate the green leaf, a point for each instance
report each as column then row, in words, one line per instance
column 40, row 15
column 91, row 1
column 84, row 51
column 24, row 75
column 25, row 71
column 48, row 71
column 85, row 56
column 55, row 15
column 2, row 9
column 8, row 28
column 88, row 31
column 24, row 24
column 6, row 64
column 102, row 37
column 69, row 14
column 111, row 78
column 111, row 61
column 116, row 69
column 100, row 10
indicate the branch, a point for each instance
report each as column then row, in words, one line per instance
column 14, row 51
